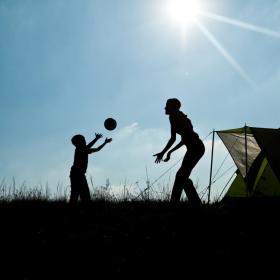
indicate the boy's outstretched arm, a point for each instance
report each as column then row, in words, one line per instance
column 107, row 140
column 97, row 136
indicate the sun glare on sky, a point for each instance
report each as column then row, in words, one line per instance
column 188, row 13
column 184, row 12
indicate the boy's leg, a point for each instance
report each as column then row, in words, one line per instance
column 74, row 195
column 85, row 194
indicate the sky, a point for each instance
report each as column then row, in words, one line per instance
column 68, row 65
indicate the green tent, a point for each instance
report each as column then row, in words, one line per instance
column 256, row 153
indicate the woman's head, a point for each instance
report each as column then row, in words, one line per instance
column 172, row 105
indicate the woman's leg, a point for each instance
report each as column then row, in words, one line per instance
column 190, row 161
column 182, row 181
column 177, row 188
column 191, row 193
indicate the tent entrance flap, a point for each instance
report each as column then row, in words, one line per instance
column 235, row 143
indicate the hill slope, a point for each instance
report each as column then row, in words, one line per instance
column 43, row 240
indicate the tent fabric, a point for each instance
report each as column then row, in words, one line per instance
column 238, row 187
column 235, row 143
column 269, row 142
column 261, row 176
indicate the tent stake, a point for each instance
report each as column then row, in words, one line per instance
column 211, row 165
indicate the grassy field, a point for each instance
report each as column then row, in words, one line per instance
column 49, row 239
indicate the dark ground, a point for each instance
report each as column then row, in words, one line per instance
column 49, row 240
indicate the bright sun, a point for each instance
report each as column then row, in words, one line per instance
column 183, row 11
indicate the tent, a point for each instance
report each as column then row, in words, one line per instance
column 256, row 153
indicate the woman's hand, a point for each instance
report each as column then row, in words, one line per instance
column 159, row 157
column 167, row 157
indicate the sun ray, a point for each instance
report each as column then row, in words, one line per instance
column 241, row 24
column 225, row 53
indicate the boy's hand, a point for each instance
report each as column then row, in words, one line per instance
column 108, row 140
column 98, row 135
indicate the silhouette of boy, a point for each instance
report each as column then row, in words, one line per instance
column 79, row 185
column 181, row 124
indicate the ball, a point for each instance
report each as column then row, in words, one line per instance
column 110, row 124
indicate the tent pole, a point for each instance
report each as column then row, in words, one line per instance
column 246, row 159
column 211, row 166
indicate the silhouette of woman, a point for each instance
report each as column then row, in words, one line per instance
column 182, row 125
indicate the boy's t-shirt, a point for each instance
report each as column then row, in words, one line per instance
column 80, row 160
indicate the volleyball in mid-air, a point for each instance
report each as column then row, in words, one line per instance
column 110, row 124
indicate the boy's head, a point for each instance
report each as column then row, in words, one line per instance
column 78, row 140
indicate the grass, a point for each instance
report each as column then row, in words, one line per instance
column 47, row 239
column 10, row 191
